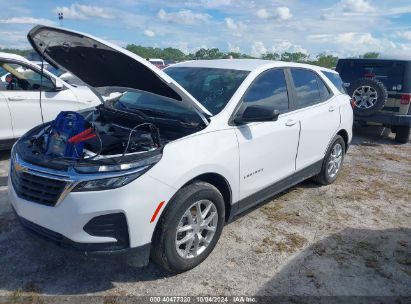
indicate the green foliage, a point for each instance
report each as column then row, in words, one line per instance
column 326, row 61
column 271, row 56
column 371, row 55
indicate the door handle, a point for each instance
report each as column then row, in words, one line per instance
column 290, row 122
column 16, row 98
column 331, row 108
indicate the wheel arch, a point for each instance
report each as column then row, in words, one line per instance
column 221, row 183
column 344, row 134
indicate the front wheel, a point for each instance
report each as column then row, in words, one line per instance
column 402, row 134
column 189, row 228
column 332, row 162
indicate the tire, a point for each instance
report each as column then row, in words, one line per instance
column 402, row 134
column 369, row 96
column 165, row 251
column 325, row 177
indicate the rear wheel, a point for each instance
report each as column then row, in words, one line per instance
column 190, row 227
column 332, row 162
column 402, row 134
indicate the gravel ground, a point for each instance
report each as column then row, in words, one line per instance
column 349, row 238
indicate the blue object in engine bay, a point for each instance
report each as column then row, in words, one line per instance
column 66, row 125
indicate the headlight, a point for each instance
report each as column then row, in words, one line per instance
column 149, row 161
column 107, row 183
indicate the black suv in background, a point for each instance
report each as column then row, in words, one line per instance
column 380, row 91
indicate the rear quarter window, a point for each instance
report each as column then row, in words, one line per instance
column 336, row 81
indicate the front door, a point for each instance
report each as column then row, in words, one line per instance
column 267, row 149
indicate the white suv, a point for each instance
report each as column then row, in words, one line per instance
column 20, row 86
column 176, row 153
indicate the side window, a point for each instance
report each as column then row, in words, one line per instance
column 336, row 80
column 306, row 87
column 269, row 91
column 324, row 92
column 17, row 77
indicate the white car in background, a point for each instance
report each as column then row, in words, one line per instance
column 19, row 99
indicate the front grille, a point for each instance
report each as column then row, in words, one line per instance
column 41, row 190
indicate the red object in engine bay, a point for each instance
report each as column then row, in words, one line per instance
column 82, row 136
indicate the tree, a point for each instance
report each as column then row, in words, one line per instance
column 294, row 57
column 371, row 55
column 271, row 56
column 327, row 61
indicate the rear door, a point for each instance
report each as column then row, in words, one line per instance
column 267, row 149
column 318, row 112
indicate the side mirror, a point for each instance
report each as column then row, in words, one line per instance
column 58, row 84
column 256, row 114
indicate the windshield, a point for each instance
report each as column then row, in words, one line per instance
column 213, row 88
column 153, row 105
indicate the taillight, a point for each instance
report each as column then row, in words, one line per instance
column 352, row 102
column 405, row 98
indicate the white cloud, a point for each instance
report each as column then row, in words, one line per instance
column 27, row 20
column 82, row 12
column 406, row 35
column 183, row 17
column 215, row 3
column 262, row 13
column 356, row 6
column 281, row 46
column 13, row 39
column 258, row 49
column 233, row 48
column 149, row 33
column 282, row 13
column 234, row 25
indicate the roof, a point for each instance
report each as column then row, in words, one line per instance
column 12, row 56
column 374, row 60
column 244, row 64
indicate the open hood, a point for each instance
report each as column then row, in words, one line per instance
column 101, row 64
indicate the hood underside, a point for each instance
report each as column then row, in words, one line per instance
column 101, row 64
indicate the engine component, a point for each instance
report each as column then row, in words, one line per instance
column 66, row 125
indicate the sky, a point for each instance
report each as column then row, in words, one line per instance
column 340, row 27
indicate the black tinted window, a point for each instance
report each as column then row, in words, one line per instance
column 336, row 80
column 324, row 92
column 213, row 88
column 306, row 87
column 269, row 91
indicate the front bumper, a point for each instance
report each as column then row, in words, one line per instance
column 138, row 256
column 65, row 223
column 387, row 119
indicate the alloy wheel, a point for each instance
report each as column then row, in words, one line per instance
column 365, row 97
column 334, row 161
column 196, row 229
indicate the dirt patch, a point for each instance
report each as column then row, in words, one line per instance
column 349, row 238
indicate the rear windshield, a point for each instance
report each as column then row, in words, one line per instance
column 336, row 80
column 213, row 88
column 390, row 74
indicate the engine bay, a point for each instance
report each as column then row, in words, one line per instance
column 99, row 135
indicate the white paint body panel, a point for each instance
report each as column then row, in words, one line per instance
column 24, row 106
